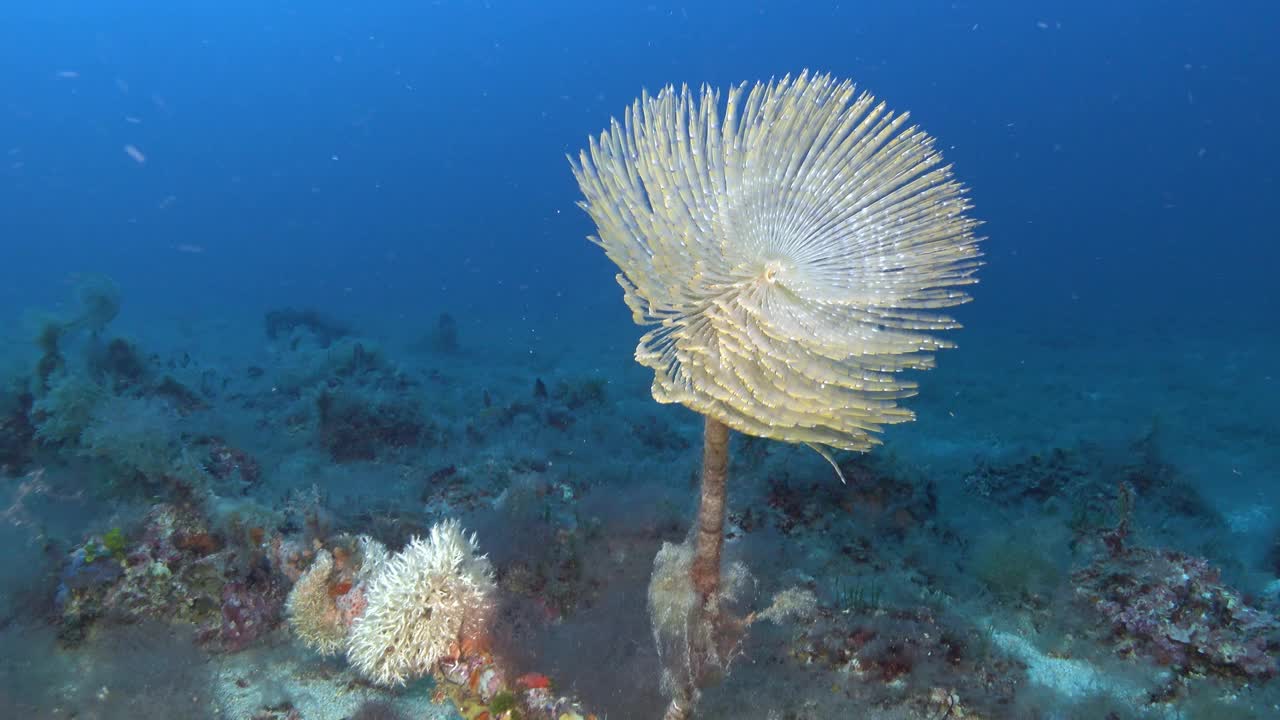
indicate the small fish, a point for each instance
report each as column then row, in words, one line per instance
column 70, row 74
column 189, row 248
column 136, row 154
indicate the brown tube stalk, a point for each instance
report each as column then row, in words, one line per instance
column 709, row 542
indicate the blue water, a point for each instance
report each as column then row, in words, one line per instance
column 387, row 163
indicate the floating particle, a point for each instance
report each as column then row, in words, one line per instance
column 136, row 154
column 69, row 74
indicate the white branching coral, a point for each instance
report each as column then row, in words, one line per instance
column 425, row 603
column 373, row 556
column 311, row 609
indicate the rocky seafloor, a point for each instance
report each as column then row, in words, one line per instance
column 1054, row 537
